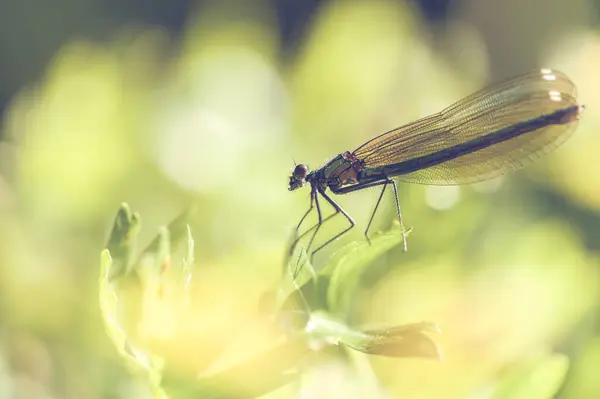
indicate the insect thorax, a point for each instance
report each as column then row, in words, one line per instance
column 342, row 170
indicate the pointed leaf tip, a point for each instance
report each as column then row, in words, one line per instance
column 401, row 341
column 121, row 240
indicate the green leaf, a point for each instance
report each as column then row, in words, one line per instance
column 324, row 329
column 346, row 268
column 156, row 259
column 120, row 298
column 154, row 264
column 538, row 378
column 403, row 341
column 178, row 231
column 121, row 242
column 408, row 340
column 187, row 265
column 297, row 267
column 108, row 305
column 135, row 359
column 298, row 284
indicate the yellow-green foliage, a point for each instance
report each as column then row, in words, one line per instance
column 508, row 270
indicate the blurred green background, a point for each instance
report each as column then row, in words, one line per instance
column 166, row 104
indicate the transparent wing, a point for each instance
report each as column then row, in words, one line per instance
column 521, row 99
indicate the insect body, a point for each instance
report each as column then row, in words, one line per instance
column 489, row 133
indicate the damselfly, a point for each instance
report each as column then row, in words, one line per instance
column 494, row 131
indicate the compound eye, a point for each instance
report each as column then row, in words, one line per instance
column 300, row 171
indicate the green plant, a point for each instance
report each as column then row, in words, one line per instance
column 148, row 305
